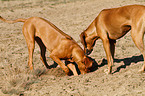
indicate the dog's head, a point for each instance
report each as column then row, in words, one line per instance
column 88, row 42
column 88, row 63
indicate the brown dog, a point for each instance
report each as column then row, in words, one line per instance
column 112, row 24
column 60, row 45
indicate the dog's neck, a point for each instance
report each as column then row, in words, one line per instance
column 91, row 30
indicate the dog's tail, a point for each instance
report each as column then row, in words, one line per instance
column 13, row 21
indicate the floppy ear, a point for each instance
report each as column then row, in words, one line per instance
column 82, row 37
column 87, row 62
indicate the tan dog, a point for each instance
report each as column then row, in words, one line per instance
column 60, row 45
column 112, row 24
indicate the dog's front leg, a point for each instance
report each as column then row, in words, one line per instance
column 82, row 67
column 106, row 45
column 59, row 62
column 73, row 69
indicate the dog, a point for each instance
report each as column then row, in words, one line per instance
column 60, row 45
column 112, row 24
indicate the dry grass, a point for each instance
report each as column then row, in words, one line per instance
column 16, row 80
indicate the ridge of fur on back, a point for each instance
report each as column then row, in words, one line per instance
column 61, row 32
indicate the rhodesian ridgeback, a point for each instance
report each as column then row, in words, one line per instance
column 60, row 45
column 112, row 24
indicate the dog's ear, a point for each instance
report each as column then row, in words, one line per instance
column 82, row 37
column 87, row 61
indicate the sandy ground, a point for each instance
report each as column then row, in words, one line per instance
column 71, row 16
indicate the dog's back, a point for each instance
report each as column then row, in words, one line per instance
column 46, row 31
column 119, row 20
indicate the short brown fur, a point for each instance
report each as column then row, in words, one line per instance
column 112, row 24
column 60, row 45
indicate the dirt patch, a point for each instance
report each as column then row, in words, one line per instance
column 71, row 16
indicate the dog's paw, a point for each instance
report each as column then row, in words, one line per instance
column 107, row 71
column 141, row 71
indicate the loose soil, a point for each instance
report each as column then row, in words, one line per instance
column 71, row 16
